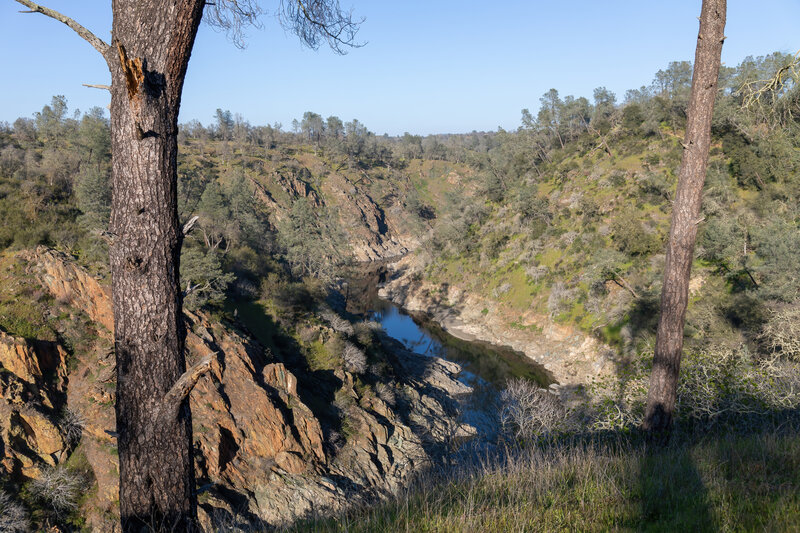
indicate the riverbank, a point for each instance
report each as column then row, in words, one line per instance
column 483, row 363
column 573, row 358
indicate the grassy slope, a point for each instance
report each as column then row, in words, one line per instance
column 718, row 482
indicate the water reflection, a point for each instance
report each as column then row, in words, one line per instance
column 402, row 327
column 482, row 362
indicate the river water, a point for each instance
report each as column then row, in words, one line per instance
column 483, row 363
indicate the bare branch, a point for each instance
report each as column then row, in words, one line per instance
column 619, row 280
column 98, row 44
column 190, row 224
column 317, row 20
column 314, row 21
column 192, row 288
column 171, row 403
column 757, row 90
column 232, row 16
column 97, row 86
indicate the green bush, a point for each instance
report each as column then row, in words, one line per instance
column 630, row 236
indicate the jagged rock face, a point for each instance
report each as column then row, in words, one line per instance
column 372, row 233
column 32, row 380
column 262, row 453
column 68, row 282
column 248, row 416
column 296, row 187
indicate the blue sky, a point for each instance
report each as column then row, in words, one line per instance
column 428, row 66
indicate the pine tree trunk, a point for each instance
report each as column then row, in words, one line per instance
column 151, row 48
column 685, row 217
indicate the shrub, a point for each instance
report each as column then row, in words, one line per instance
column 291, row 298
column 72, row 424
column 355, row 360
column 631, row 237
column 365, row 332
column 558, row 301
column 386, row 393
column 528, row 412
column 59, row 488
column 717, row 385
column 13, row 517
column 781, row 333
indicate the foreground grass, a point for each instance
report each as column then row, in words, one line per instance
column 712, row 482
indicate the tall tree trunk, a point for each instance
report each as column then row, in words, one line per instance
column 685, row 217
column 149, row 55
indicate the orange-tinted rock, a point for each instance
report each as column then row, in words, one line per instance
column 70, row 283
column 244, row 426
column 254, row 435
column 32, row 377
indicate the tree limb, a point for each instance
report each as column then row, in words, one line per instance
column 758, row 89
column 97, row 86
column 171, row 403
column 190, row 224
column 98, row 44
column 619, row 280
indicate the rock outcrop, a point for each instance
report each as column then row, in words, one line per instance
column 371, row 231
column 68, row 282
column 269, row 448
column 32, row 384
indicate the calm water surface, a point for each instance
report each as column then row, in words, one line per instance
column 482, row 362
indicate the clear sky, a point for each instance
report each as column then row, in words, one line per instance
column 429, row 66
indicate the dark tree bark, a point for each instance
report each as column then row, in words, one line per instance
column 149, row 55
column 685, row 217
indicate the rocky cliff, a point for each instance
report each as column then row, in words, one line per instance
column 274, row 440
column 373, row 229
column 32, row 385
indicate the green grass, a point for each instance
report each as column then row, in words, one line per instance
column 23, row 302
column 716, row 482
column 550, row 257
column 521, row 294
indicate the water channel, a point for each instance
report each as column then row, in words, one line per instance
column 483, row 363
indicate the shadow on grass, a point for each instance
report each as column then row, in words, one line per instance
column 673, row 495
column 729, row 478
column 743, row 474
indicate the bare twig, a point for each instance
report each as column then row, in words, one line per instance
column 619, row 280
column 315, row 19
column 191, row 288
column 98, row 44
column 756, row 90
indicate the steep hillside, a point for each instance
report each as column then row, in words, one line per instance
column 327, row 416
column 362, row 210
column 563, row 224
